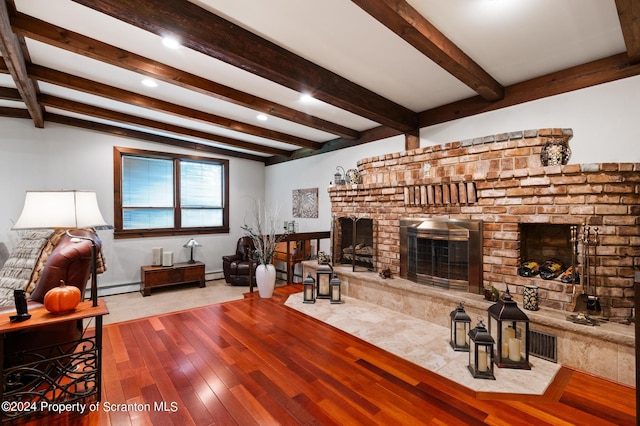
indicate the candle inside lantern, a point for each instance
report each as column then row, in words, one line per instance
column 514, row 349
column 505, row 349
column 308, row 292
column 323, row 287
column 460, row 337
column 335, row 295
column 482, row 360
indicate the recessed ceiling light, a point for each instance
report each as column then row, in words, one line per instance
column 149, row 82
column 305, row 97
column 262, row 117
column 171, row 42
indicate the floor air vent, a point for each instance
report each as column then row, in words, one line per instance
column 543, row 345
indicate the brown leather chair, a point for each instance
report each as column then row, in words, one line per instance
column 69, row 261
column 238, row 267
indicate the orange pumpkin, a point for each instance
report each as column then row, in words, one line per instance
column 62, row 299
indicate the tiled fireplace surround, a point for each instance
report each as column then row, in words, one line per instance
column 500, row 180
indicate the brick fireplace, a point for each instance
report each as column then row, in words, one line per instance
column 500, row 181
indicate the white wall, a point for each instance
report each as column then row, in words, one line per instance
column 604, row 120
column 61, row 157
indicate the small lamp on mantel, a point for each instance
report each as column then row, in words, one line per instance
column 191, row 244
column 65, row 209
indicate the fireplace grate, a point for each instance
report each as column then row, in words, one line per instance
column 543, row 345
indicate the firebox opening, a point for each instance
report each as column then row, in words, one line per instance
column 541, row 242
column 356, row 247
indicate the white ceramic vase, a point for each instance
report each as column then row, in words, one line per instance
column 266, row 279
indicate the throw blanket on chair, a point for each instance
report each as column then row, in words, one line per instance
column 18, row 269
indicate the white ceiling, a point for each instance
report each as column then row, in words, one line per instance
column 512, row 40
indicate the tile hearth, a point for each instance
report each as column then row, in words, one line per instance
column 423, row 343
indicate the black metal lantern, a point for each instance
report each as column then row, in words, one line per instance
column 509, row 327
column 480, row 350
column 323, row 279
column 338, row 178
column 336, row 289
column 460, row 323
column 308, row 290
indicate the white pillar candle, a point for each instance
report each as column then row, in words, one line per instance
column 167, row 258
column 461, row 339
column 508, row 333
column 505, row 349
column 482, row 360
column 514, row 349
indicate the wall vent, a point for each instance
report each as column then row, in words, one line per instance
column 543, row 345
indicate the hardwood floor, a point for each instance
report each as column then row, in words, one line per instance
column 255, row 361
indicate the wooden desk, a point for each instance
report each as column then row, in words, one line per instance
column 294, row 248
column 62, row 377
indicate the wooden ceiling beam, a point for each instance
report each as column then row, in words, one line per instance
column 10, row 94
column 218, row 38
column 69, row 81
column 629, row 16
column 579, row 77
column 150, row 137
column 14, row 113
column 105, row 114
column 401, row 18
column 45, row 32
column 14, row 60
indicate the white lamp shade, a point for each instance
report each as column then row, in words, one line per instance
column 60, row 209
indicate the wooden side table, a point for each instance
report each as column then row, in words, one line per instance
column 161, row 276
column 61, row 377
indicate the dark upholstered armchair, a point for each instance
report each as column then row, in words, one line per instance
column 236, row 267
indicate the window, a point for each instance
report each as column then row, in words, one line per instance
column 168, row 194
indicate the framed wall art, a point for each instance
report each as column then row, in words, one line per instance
column 305, row 203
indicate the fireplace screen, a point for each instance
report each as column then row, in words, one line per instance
column 443, row 253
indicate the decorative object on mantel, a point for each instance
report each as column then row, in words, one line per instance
column 385, row 273
column 583, row 319
column 191, row 244
column 264, row 237
column 530, row 298
column 338, row 178
column 555, row 152
column 323, row 258
column 491, row 294
column 353, row 177
column 509, row 327
column 309, row 289
column 480, row 349
column 459, row 327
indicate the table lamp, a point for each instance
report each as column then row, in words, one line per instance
column 66, row 209
column 191, row 244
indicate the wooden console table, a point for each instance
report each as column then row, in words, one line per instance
column 69, row 378
column 179, row 273
column 287, row 254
